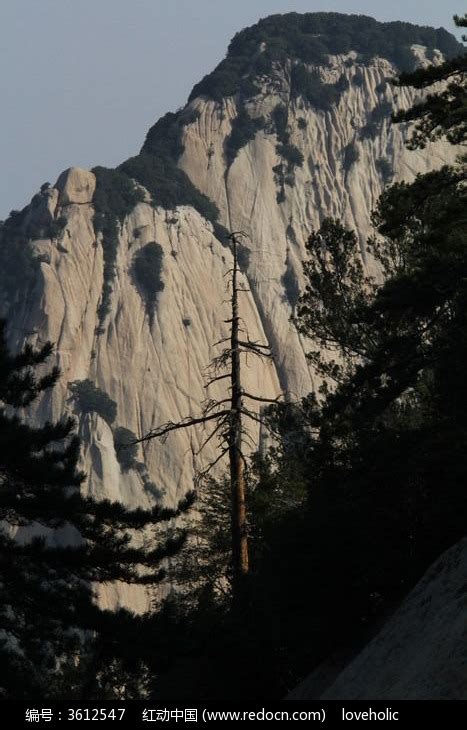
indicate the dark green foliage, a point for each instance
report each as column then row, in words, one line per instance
column 385, row 169
column 223, row 82
column 342, row 84
column 249, row 89
column 18, row 264
column 383, row 454
column 156, row 167
column 280, row 117
column 404, row 58
column 56, row 227
column 55, row 643
column 115, row 197
column 125, row 447
column 350, row 155
column 380, row 114
column 309, row 86
column 280, row 195
column 358, row 79
column 244, row 129
column 290, row 284
column 165, row 137
column 243, row 257
column 365, row 486
column 91, row 399
column 444, row 113
column 309, row 38
column 221, row 232
column 19, row 385
column 291, row 154
column 333, row 257
column 279, row 178
column 168, row 185
column 302, row 124
column 147, row 270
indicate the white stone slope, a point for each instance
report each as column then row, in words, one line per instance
column 420, row 654
column 246, row 191
column 154, row 370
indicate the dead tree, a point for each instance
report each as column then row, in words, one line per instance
column 228, row 418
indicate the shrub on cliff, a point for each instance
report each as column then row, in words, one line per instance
column 147, row 270
column 244, row 129
column 125, row 447
column 91, row 399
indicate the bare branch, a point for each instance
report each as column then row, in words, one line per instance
column 214, row 403
column 253, row 343
column 185, row 423
column 247, row 435
column 238, row 233
column 219, row 425
column 263, row 400
column 218, row 377
column 252, row 349
column 258, row 418
column 221, row 361
column 220, row 342
column 254, row 416
column 210, row 466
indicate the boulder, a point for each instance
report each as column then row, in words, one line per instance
column 76, row 186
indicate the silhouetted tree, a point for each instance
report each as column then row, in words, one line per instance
column 228, row 416
column 55, row 544
column 443, row 113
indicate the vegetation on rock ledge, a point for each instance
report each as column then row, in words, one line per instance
column 147, row 270
column 310, row 38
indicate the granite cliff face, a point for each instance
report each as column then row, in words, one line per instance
column 346, row 164
column 304, row 160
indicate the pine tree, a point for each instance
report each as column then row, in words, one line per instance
column 443, row 113
column 55, row 544
column 381, row 450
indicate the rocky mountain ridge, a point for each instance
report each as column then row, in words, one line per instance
column 300, row 139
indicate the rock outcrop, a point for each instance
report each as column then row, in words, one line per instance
column 151, row 358
column 346, row 167
column 420, row 652
column 75, row 186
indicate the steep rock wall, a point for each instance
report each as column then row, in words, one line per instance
column 152, row 364
column 246, row 191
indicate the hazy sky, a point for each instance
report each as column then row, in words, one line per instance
column 81, row 81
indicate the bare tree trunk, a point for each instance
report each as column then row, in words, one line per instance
column 228, row 415
column 239, row 528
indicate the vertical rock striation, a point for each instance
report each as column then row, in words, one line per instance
column 294, row 140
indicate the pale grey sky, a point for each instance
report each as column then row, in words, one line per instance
column 81, row 81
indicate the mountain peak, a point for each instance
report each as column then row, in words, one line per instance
column 311, row 38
